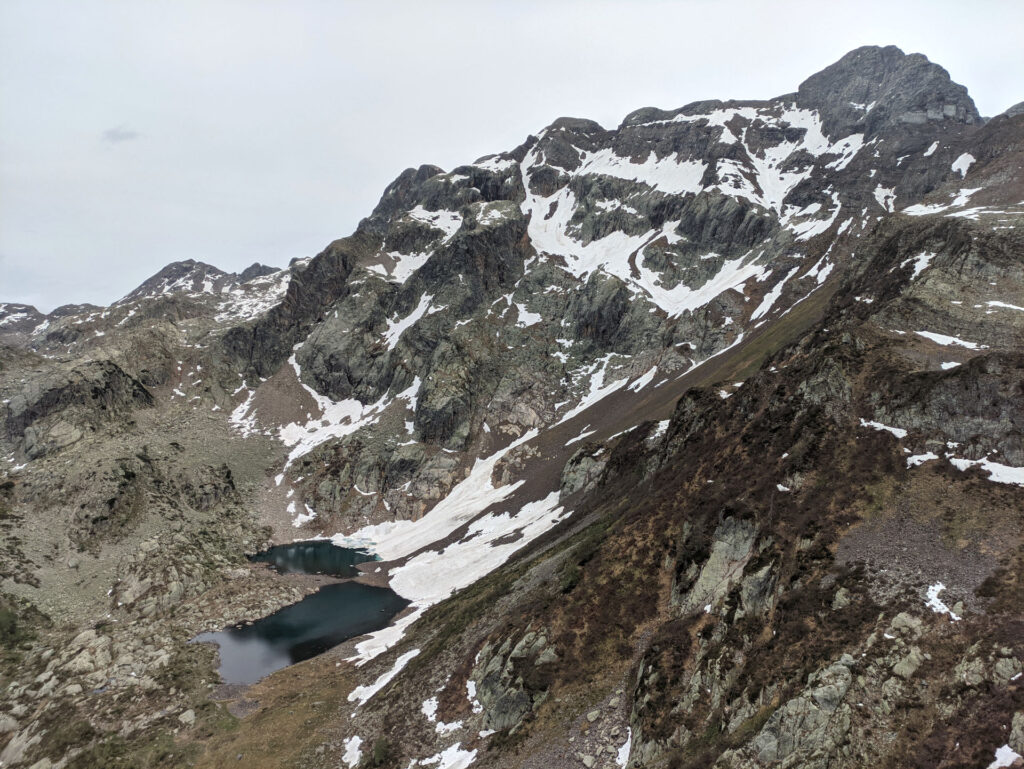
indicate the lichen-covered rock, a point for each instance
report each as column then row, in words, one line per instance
column 731, row 547
column 583, row 470
column 509, row 678
column 806, row 730
column 54, row 407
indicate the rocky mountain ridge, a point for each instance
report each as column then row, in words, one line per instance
column 707, row 426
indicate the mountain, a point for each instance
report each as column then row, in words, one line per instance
column 698, row 441
column 19, row 318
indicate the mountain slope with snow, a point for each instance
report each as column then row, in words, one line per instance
column 695, row 441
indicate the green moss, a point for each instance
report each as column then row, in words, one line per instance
column 106, row 753
column 188, row 668
column 18, row 623
column 114, row 752
column 383, row 754
column 66, row 734
column 570, row 577
column 9, row 630
column 213, row 718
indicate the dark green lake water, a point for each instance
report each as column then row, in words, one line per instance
column 318, row 622
column 313, row 557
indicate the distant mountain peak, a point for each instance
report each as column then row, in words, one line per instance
column 190, row 276
column 187, row 275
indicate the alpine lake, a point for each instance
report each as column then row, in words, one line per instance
column 333, row 614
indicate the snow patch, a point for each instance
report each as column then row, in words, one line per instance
column 429, row 709
column 583, row 434
column 450, row 758
column 404, row 265
column 960, row 199
column 920, row 262
column 352, row 751
column 302, row 518
column 950, row 340
column 622, row 757
column 998, row 473
column 1005, row 756
column 474, row 703
column 361, row 694
column 886, row 197
column 1005, row 306
column 936, row 605
column 675, row 301
column 642, row 381
column 243, row 417
column 920, row 459
column 396, row 539
column 772, row 296
column 446, row 221
column 526, row 318
column 962, row 163
column 668, row 174
column 897, row 431
column 596, row 391
column 809, row 227
column 442, row 728
column 399, row 326
column 432, row 576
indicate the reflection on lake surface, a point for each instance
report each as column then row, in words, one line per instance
column 313, row 557
column 333, row 614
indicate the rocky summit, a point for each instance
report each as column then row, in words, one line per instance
column 693, row 442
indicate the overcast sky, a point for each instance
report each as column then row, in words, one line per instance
column 136, row 133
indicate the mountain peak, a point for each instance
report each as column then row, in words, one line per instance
column 255, row 270
column 186, row 275
column 194, row 277
column 874, row 89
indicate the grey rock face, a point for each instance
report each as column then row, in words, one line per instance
column 809, row 726
column 255, row 270
column 505, row 679
column 704, row 585
column 977, row 405
column 1015, row 110
column 881, row 89
column 55, row 407
column 583, row 470
column 266, row 343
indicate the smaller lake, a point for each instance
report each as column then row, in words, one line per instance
column 333, row 614
column 318, row 556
